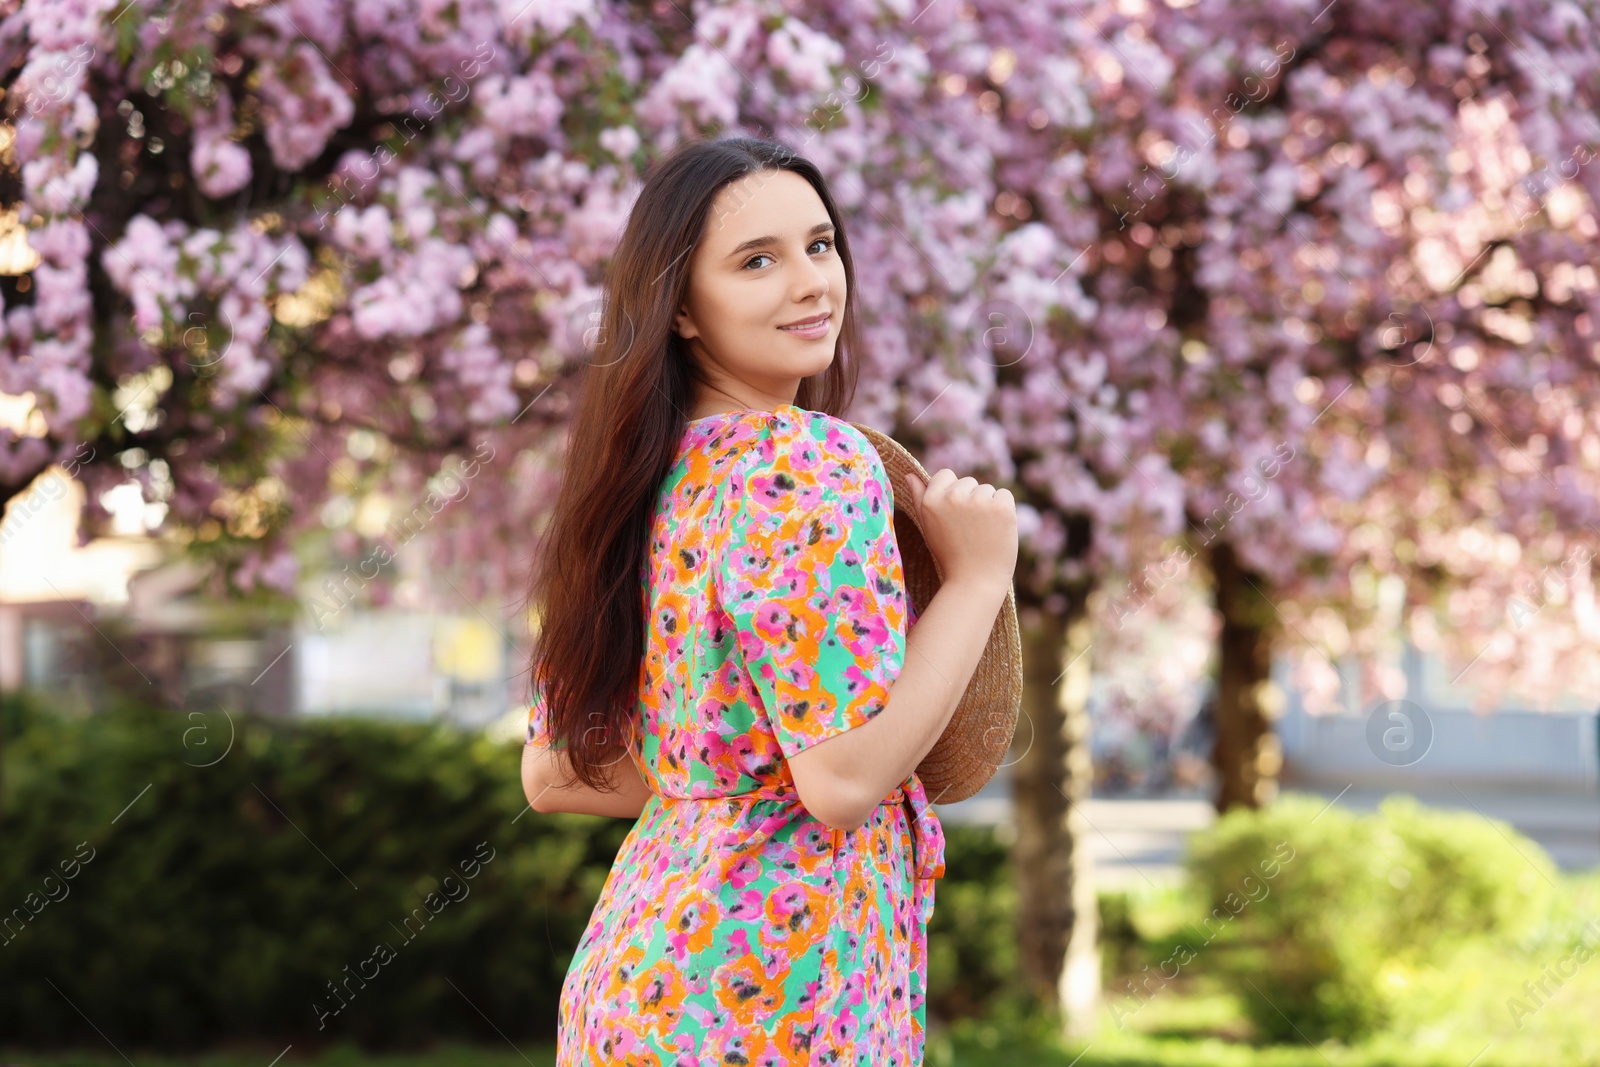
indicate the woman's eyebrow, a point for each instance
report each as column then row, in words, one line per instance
column 757, row 242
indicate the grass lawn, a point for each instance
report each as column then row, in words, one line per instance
column 1458, row 1016
column 1196, row 1024
column 1184, row 1029
column 1197, row 1029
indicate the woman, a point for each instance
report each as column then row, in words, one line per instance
column 770, row 905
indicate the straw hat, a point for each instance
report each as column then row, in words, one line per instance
column 978, row 736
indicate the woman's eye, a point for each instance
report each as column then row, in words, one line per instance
column 826, row 242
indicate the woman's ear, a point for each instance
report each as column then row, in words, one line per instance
column 683, row 325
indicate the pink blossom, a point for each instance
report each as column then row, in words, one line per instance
column 520, row 105
column 620, row 141
column 303, row 103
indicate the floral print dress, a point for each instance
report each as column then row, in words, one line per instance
column 735, row 927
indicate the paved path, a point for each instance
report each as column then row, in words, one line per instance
column 1139, row 841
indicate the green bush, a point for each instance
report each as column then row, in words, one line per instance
column 1316, row 916
column 1120, row 940
column 174, row 904
column 180, row 878
column 973, row 969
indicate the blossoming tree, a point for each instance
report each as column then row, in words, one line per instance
column 311, row 267
column 1391, row 317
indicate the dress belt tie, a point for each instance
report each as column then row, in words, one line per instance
column 927, row 836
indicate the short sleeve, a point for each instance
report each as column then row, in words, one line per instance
column 810, row 573
column 538, row 727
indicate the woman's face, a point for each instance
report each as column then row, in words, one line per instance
column 767, row 260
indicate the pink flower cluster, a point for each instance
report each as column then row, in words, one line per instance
column 1116, row 259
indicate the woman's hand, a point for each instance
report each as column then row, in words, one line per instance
column 969, row 526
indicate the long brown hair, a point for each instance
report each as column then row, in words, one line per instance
column 589, row 583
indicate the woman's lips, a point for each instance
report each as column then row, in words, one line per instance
column 817, row 329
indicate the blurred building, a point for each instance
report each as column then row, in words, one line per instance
column 1434, row 737
column 125, row 614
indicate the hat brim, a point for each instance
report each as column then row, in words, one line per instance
column 978, row 736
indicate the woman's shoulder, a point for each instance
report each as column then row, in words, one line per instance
column 800, row 434
column 816, row 444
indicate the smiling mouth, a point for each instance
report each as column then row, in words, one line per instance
column 808, row 324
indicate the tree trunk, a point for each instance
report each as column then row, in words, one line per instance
column 1058, row 913
column 1246, row 755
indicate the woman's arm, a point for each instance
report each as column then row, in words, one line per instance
column 971, row 530
column 849, row 774
column 541, row 772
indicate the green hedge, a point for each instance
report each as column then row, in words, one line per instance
column 1320, row 918
column 973, row 969
column 177, row 879
column 224, row 899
